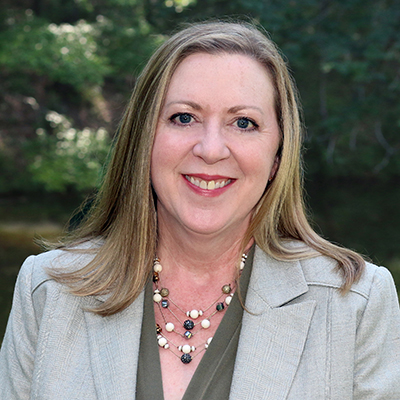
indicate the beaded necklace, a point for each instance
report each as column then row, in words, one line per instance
column 163, row 299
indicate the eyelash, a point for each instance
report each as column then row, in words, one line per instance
column 175, row 116
column 253, row 128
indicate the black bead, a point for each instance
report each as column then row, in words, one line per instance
column 186, row 358
column 220, row 306
column 188, row 324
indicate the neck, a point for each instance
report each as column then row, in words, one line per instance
column 185, row 252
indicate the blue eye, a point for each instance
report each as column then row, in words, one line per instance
column 246, row 124
column 182, row 119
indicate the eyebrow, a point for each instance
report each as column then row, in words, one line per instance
column 232, row 110
column 235, row 109
column 191, row 104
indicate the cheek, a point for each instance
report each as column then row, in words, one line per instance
column 166, row 158
column 157, row 166
column 161, row 155
column 168, row 148
column 259, row 165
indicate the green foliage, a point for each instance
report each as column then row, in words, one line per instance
column 63, row 53
column 69, row 157
column 80, row 59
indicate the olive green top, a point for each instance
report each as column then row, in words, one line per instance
column 213, row 376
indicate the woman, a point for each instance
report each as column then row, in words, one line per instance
column 199, row 233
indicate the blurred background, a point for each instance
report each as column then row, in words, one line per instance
column 67, row 68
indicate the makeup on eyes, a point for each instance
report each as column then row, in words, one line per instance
column 185, row 119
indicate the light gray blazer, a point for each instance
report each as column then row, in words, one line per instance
column 302, row 340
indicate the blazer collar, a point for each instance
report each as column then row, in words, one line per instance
column 273, row 331
column 276, row 282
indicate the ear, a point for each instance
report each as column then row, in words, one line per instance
column 274, row 168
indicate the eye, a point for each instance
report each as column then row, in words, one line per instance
column 181, row 119
column 246, row 124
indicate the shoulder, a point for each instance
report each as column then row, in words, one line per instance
column 37, row 294
column 322, row 271
column 316, row 276
column 35, row 269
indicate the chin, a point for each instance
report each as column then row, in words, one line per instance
column 216, row 228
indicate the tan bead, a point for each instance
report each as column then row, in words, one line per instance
column 164, row 292
column 226, row 289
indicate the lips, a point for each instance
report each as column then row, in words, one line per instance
column 208, row 184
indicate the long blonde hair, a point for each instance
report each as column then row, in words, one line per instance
column 124, row 215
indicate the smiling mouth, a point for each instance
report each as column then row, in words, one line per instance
column 209, row 185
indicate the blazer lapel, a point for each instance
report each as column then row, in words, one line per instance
column 273, row 334
column 114, row 347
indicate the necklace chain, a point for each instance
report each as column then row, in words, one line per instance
column 162, row 298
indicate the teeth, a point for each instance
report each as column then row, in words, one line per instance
column 211, row 185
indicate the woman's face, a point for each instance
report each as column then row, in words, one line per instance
column 216, row 143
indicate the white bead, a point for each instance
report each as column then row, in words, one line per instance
column 186, row 349
column 166, row 346
column 169, row 326
column 241, row 264
column 205, row 323
column 157, row 297
column 188, row 313
column 179, row 348
column 200, row 313
column 209, row 340
column 157, row 267
column 194, row 314
column 193, row 348
column 159, row 336
column 228, row 300
column 162, row 342
column 206, row 346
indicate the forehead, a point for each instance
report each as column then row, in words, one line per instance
column 222, row 75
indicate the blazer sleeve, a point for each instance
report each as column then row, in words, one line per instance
column 19, row 345
column 377, row 358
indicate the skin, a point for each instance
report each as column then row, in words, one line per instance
column 217, row 125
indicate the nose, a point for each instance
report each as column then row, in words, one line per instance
column 212, row 146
